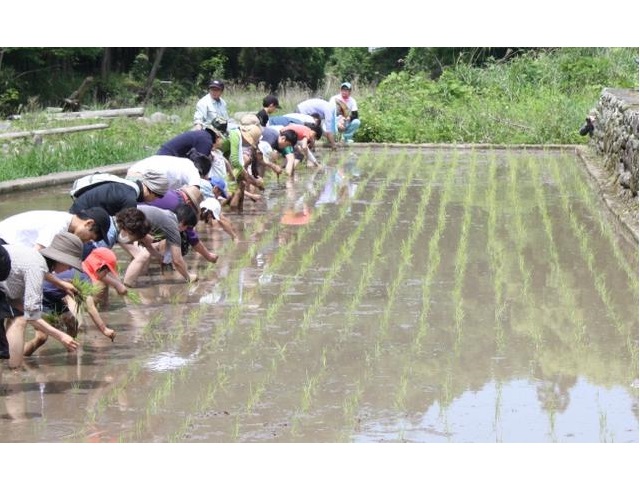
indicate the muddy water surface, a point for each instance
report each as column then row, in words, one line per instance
column 416, row 296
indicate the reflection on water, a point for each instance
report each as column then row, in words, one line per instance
column 440, row 296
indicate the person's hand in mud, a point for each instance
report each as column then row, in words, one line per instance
column 109, row 332
column 69, row 343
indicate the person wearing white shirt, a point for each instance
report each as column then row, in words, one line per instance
column 352, row 122
column 211, row 106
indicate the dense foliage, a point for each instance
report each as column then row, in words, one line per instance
column 537, row 97
column 412, row 95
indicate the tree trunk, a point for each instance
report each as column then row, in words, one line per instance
column 105, row 68
column 153, row 73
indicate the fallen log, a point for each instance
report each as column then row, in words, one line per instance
column 121, row 112
column 52, row 131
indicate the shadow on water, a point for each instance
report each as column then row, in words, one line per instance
column 395, row 296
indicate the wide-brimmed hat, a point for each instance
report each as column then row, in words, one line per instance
column 100, row 216
column 221, row 184
column 98, row 258
column 250, row 119
column 212, row 205
column 65, row 248
column 251, row 134
column 5, row 263
column 194, row 195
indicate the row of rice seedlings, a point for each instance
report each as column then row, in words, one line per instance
column 575, row 315
column 586, row 250
column 520, row 234
column 342, row 258
column 432, row 266
column 205, row 401
column 496, row 253
column 461, row 259
column 581, row 187
column 351, row 401
column 168, row 381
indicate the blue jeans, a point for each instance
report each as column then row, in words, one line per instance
column 352, row 128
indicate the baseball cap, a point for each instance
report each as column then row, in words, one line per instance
column 100, row 216
column 216, row 84
column 221, row 184
column 212, row 205
column 98, row 258
column 346, row 85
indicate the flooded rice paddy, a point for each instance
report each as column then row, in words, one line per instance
column 396, row 296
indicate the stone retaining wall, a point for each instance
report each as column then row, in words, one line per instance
column 615, row 136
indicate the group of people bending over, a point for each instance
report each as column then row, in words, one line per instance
column 46, row 256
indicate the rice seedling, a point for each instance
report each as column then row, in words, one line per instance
column 461, row 258
column 134, row 297
column 520, row 240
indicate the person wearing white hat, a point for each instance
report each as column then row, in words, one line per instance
column 211, row 210
column 351, row 119
column 23, row 291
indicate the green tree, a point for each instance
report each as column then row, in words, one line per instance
column 277, row 66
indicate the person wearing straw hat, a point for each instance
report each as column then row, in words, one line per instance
column 240, row 149
column 23, row 291
column 36, row 229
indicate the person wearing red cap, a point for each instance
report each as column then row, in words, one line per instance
column 36, row 229
column 101, row 266
column 98, row 268
column 23, row 291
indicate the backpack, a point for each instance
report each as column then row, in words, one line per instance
column 83, row 184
